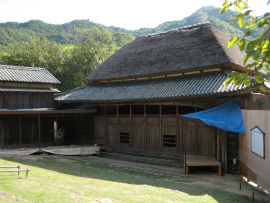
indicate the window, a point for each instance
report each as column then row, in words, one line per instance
column 186, row 109
column 257, row 141
column 124, row 137
column 137, row 109
column 152, row 109
column 111, row 110
column 124, row 110
column 169, row 141
column 168, row 109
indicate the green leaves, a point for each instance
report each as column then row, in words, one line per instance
column 232, row 42
column 259, row 79
column 265, row 47
column 248, row 55
column 241, row 22
column 262, row 22
column 241, row 44
column 258, row 48
column 233, row 76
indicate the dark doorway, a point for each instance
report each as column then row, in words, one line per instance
column 232, row 152
column 72, row 130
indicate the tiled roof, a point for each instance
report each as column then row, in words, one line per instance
column 26, row 89
column 162, row 88
column 26, row 74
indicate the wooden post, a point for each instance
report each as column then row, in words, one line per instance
column 20, row 132
column 131, row 142
column 81, row 129
column 177, row 131
column 196, row 124
column 197, row 138
column 105, row 125
column 224, row 153
column 218, row 157
column 145, row 129
column 117, row 114
column 182, row 145
column 39, row 132
column 2, row 136
column 185, row 144
column 160, row 127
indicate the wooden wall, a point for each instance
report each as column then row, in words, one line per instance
column 146, row 133
column 11, row 127
column 252, row 166
column 26, row 100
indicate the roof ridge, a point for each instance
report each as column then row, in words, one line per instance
column 72, row 90
column 186, row 26
column 20, row 67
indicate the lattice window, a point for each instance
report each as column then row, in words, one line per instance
column 124, row 137
column 169, row 141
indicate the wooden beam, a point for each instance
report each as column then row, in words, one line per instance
column 2, row 136
column 218, row 156
column 160, row 127
column 177, row 131
column 117, row 114
column 81, row 129
column 20, row 131
column 185, row 152
column 105, row 125
column 130, row 127
column 196, row 132
column 39, row 140
column 224, row 152
column 145, row 130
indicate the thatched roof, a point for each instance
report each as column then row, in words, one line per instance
column 180, row 87
column 191, row 48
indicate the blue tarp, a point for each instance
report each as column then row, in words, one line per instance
column 227, row 117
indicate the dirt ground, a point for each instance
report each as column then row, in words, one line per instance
column 227, row 182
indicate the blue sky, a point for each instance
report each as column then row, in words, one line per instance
column 127, row 14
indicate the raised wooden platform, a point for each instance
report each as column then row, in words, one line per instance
column 194, row 160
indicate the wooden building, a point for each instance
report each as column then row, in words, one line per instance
column 27, row 115
column 141, row 91
column 24, row 92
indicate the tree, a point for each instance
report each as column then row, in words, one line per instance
column 70, row 64
column 259, row 48
column 92, row 47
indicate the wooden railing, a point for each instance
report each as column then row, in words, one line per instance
column 14, row 170
column 252, row 189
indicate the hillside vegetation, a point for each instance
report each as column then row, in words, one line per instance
column 72, row 50
column 12, row 32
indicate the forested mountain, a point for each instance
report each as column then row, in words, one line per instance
column 72, row 50
column 12, row 32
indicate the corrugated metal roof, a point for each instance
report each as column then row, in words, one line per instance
column 162, row 88
column 26, row 74
column 26, row 89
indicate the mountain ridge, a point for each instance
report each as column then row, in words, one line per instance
column 13, row 32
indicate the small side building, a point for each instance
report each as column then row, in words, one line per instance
column 24, row 92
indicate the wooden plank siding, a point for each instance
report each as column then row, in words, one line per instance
column 146, row 133
column 11, row 130
column 99, row 130
column 112, row 135
column 26, row 100
column 169, row 128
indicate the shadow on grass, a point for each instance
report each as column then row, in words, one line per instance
column 87, row 168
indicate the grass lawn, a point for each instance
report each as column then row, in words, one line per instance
column 76, row 179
